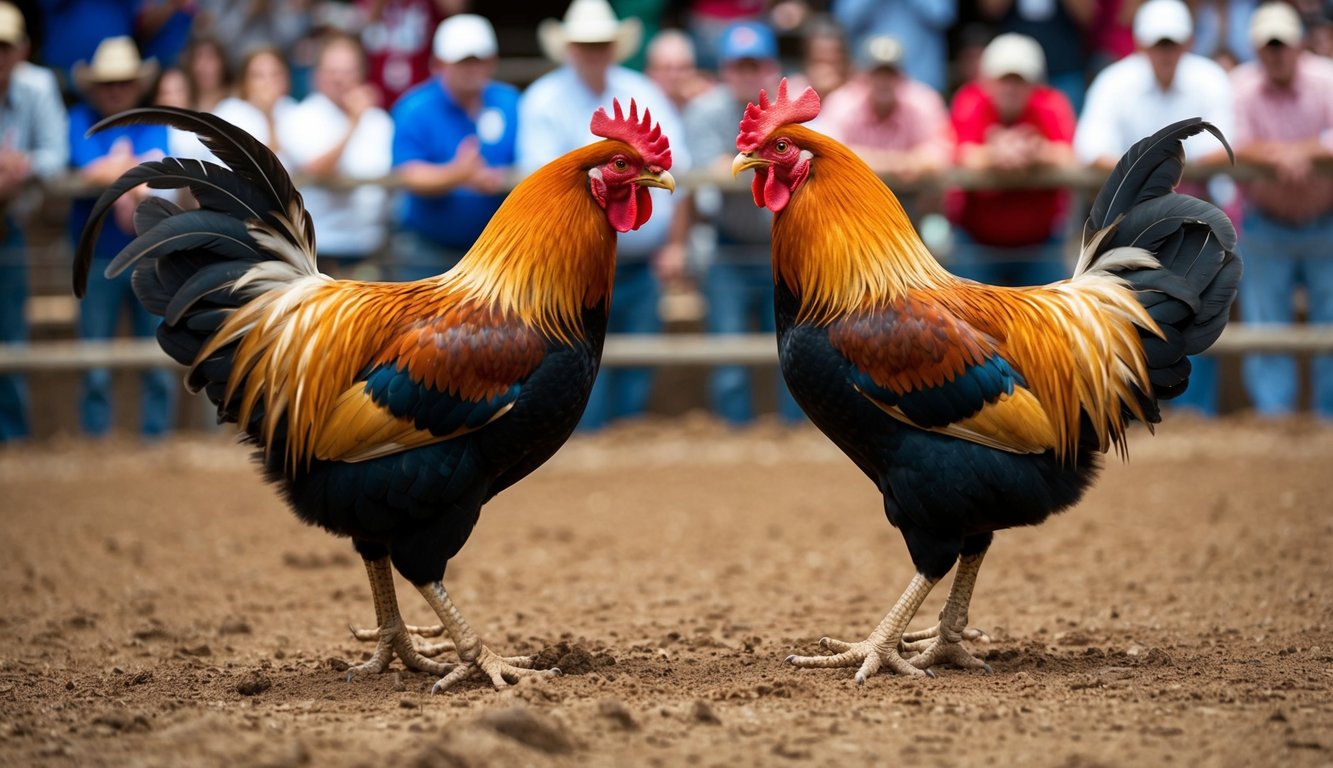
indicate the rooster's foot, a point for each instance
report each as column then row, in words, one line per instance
column 394, row 639
column 868, row 656
column 916, row 642
column 425, row 649
column 500, row 670
column 944, row 651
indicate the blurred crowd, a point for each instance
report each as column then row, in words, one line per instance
column 408, row 90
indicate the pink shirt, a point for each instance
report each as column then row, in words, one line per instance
column 1299, row 113
column 919, row 122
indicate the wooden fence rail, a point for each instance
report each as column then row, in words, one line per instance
column 675, row 349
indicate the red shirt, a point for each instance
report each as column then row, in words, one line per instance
column 1011, row 217
column 398, row 45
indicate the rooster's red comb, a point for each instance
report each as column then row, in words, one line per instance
column 761, row 119
column 646, row 138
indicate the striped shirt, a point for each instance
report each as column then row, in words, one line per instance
column 33, row 120
column 1299, row 113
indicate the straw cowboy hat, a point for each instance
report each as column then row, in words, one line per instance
column 115, row 60
column 589, row 21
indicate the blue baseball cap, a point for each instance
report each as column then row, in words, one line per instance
column 748, row 40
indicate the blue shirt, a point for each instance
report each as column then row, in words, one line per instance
column 74, row 28
column 554, row 116
column 428, row 126
column 146, row 140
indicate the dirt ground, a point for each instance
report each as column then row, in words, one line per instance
column 162, row 608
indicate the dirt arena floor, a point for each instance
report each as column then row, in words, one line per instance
column 162, row 608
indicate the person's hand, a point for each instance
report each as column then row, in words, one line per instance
column 1292, row 163
column 471, row 170
column 358, row 100
column 669, row 262
column 122, row 211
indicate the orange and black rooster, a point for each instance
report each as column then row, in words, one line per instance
column 975, row 408
column 389, row 412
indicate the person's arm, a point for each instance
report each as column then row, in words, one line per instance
column 325, row 165
column 539, row 136
column 1096, row 142
column 49, row 155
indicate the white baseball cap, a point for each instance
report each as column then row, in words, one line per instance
column 1014, row 54
column 1158, row 20
column 1276, row 21
column 464, row 36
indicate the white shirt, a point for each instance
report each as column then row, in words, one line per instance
column 553, row 117
column 348, row 222
column 1125, row 104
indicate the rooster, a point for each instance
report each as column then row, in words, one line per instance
column 975, row 408
column 389, row 412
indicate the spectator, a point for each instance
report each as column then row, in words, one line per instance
column 454, row 143
column 115, row 80
column 670, row 64
column 206, row 70
column 243, row 26
column 708, row 19
column 338, row 132
column 263, row 97
column 163, row 28
column 1221, row 30
column 1284, row 121
column 553, row 118
column 825, row 65
column 1140, row 94
column 738, row 284
column 1060, row 28
column 73, row 30
column 897, row 125
column 397, row 38
column 33, row 144
column 920, row 26
column 1010, row 122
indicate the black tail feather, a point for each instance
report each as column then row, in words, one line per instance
column 1149, row 170
column 186, row 263
column 1191, row 294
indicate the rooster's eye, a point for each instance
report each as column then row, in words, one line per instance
column 620, row 164
column 781, row 146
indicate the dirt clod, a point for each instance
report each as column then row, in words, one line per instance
column 530, row 728
column 253, row 683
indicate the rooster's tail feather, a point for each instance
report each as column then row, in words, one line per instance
column 195, row 268
column 1188, row 292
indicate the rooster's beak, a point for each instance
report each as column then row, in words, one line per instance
column 745, row 161
column 663, row 180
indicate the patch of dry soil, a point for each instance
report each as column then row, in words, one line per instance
column 162, row 608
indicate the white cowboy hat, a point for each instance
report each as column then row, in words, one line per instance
column 589, row 21
column 115, row 60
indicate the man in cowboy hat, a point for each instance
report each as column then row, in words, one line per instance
column 553, row 119
column 32, row 144
column 115, row 80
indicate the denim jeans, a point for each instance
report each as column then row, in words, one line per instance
column 740, row 300
column 13, row 330
column 623, row 392
column 413, row 256
column 1278, row 258
column 1027, row 265
column 99, row 315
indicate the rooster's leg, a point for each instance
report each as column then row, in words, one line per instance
column 476, row 658
column 881, row 648
column 941, row 644
column 392, row 636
